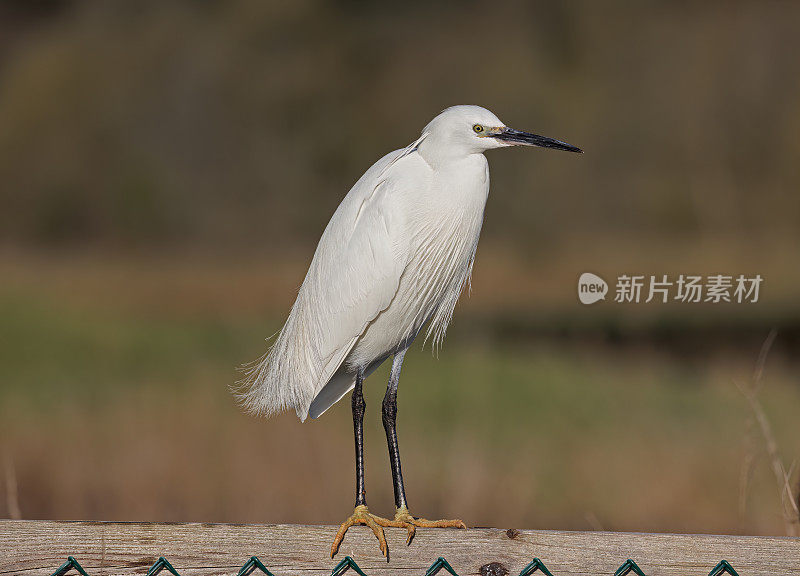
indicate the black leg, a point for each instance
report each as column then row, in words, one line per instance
column 359, row 406
column 390, row 425
column 361, row 515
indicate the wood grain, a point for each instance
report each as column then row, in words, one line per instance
column 38, row 548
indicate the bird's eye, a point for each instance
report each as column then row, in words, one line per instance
column 478, row 128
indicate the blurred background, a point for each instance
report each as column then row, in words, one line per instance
column 167, row 168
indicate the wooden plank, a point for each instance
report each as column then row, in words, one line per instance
column 38, row 548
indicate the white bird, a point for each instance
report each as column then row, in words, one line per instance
column 394, row 258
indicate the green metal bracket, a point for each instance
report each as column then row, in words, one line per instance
column 251, row 565
column 254, row 563
column 721, row 568
column 160, row 564
column 533, row 567
column 629, row 566
column 342, row 567
column 438, row 565
column 69, row 565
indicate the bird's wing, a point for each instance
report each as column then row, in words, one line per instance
column 353, row 277
column 356, row 269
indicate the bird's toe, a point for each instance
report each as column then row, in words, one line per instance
column 403, row 516
column 412, row 530
column 362, row 516
column 377, row 529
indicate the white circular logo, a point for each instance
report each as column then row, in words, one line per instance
column 591, row 288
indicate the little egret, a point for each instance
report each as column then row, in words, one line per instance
column 394, row 257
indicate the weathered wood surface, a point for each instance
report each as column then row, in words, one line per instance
column 38, row 548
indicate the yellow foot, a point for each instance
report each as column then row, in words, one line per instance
column 362, row 516
column 404, row 519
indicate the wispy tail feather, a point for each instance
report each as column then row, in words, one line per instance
column 283, row 378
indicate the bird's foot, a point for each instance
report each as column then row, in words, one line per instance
column 404, row 519
column 362, row 516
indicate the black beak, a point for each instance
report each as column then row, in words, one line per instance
column 526, row 139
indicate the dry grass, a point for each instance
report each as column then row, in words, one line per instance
column 789, row 504
column 12, row 495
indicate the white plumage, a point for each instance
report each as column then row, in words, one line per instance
column 395, row 255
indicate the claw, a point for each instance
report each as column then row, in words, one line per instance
column 340, row 536
column 361, row 515
column 380, row 535
column 412, row 530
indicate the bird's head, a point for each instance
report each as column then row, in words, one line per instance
column 463, row 130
